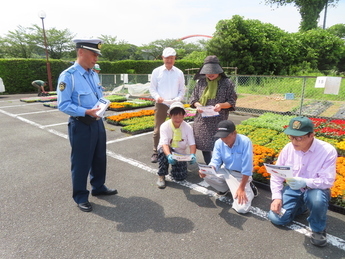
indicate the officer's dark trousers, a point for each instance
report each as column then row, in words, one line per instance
column 88, row 156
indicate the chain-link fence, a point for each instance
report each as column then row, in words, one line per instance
column 300, row 95
column 309, row 96
column 111, row 81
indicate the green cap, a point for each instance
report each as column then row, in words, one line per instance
column 299, row 126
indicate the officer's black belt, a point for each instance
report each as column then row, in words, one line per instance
column 86, row 120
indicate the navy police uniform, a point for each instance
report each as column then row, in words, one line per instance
column 79, row 90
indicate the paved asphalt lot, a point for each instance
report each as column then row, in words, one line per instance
column 186, row 220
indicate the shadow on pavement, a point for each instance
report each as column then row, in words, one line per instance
column 128, row 213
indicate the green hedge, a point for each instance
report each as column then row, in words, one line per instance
column 18, row 74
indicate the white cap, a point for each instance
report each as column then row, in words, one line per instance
column 176, row 105
column 97, row 67
column 167, row 52
column 90, row 44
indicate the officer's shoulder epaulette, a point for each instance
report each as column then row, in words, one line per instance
column 71, row 70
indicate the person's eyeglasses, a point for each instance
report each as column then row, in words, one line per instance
column 297, row 138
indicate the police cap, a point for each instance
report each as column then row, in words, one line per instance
column 90, row 44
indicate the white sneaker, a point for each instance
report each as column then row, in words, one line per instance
column 161, row 181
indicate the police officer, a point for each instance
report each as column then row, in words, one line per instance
column 78, row 91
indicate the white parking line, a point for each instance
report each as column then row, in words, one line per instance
column 127, row 138
column 29, row 113
column 296, row 226
column 19, row 105
column 54, row 125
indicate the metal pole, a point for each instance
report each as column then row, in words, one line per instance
column 47, row 57
column 302, row 97
column 325, row 16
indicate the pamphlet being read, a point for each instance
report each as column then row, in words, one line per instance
column 207, row 169
column 278, row 170
column 208, row 111
column 181, row 157
column 103, row 104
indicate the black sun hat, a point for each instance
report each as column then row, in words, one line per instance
column 224, row 129
column 211, row 66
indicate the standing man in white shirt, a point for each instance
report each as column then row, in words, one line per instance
column 167, row 86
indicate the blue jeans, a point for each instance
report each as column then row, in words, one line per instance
column 296, row 202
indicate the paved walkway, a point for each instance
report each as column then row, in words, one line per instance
column 186, row 220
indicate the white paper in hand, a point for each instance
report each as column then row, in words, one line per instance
column 103, row 104
column 281, row 171
column 207, row 169
column 181, row 157
column 208, row 111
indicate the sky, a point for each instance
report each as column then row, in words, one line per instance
column 140, row 22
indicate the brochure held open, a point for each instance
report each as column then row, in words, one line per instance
column 278, row 170
column 207, row 169
column 103, row 104
column 181, row 157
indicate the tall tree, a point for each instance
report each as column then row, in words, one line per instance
column 322, row 49
column 108, row 39
column 154, row 49
column 309, row 9
column 114, row 49
column 338, row 30
column 59, row 42
column 28, row 43
column 252, row 46
column 18, row 44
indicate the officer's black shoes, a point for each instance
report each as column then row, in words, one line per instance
column 106, row 192
column 85, row 206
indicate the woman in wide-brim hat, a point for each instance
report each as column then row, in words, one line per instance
column 213, row 88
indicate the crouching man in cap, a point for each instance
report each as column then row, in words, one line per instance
column 313, row 165
column 78, row 92
column 175, row 135
column 232, row 159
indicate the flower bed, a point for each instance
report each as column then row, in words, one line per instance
column 147, row 99
column 30, row 99
column 138, row 128
column 39, row 99
column 115, row 119
column 50, row 104
column 137, row 121
column 334, row 129
column 134, row 104
column 137, row 125
column 142, row 121
column 48, row 98
column 268, row 139
column 116, row 98
column 190, row 113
